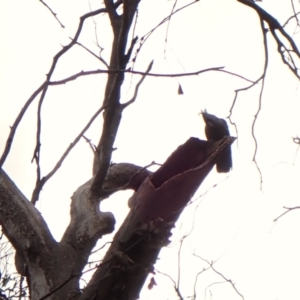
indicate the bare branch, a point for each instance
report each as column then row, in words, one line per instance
column 228, row 280
column 37, row 150
column 288, row 210
column 111, row 9
column 53, row 13
column 37, row 153
column 92, row 53
column 129, row 9
column 260, row 99
column 92, row 146
column 99, row 71
column 96, row 36
column 41, row 183
column 138, row 85
column 275, row 27
column 219, row 273
column 113, row 108
column 290, row 18
column 262, row 79
column 168, row 26
column 295, row 14
column 167, row 275
column 196, row 279
column 44, row 85
column 16, row 123
column 144, row 38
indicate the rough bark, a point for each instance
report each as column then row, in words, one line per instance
column 53, row 269
column 155, row 207
column 43, row 261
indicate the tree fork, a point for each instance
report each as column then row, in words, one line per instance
column 155, row 207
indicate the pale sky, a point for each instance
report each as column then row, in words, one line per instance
column 233, row 222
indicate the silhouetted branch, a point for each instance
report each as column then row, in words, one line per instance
column 45, row 84
column 99, row 71
column 16, row 123
column 228, row 280
column 175, row 286
column 137, row 86
column 41, row 183
column 262, row 79
column 93, row 54
column 145, row 37
column 274, row 27
column 196, row 280
column 288, row 210
column 113, row 109
column 37, row 153
column 290, row 18
column 295, row 14
column 92, row 146
column 53, row 13
column 211, row 264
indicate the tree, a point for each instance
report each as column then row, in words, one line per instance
column 53, row 269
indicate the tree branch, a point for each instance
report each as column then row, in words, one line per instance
column 41, row 183
column 113, row 108
column 53, row 13
column 130, row 71
column 137, row 86
column 45, row 84
column 275, row 26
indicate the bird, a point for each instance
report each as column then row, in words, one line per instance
column 215, row 129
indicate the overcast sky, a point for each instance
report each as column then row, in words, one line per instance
column 231, row 219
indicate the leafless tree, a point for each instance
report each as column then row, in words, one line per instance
column 53, row 269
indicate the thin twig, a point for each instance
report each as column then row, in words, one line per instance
column 288, row 210
column 275, row 26
column 39, row 186
column 219, row 273
column 96, row 36
column 145, row 37
column 260, row 101
column 178, row 260
column 99, row 71
column 18, row 119
column 290, row 18
column 46, row 83
column 174, row 284
column 295, row 14
column 92, row 146
column 196, row 279
column 53, row 13
column 262, row 79
column 37, row 149
column 92, row 53
column 138, row 85
column 168, row 27
column 228, row 280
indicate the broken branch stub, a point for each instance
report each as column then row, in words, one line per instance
column 155, row 207
column 165, row 194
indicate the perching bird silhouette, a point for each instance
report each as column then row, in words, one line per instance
column 216, row 129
